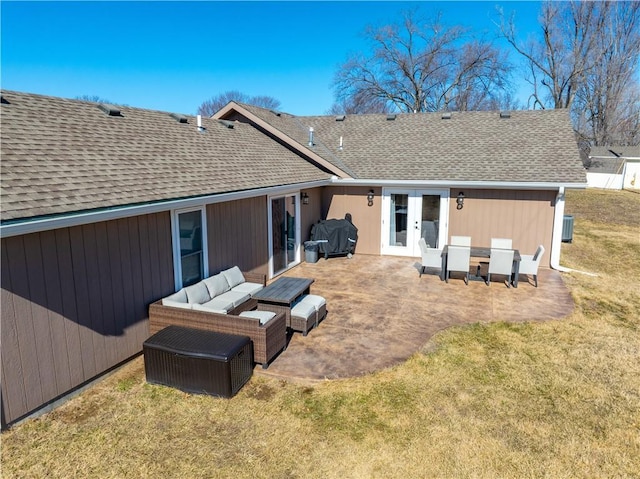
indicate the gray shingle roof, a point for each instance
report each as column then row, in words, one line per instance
column 61, row 156
column 605, row 165
column 615, row 152
column 530, row 146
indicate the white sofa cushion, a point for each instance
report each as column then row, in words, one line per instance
column 303, row 310
column 210, row 307
column 263, row 316
column 233, row 297
column 248, row 288
column 234, row 276
column 315, row 300
column 197, row 293
column 176, row 304
column 180, row 297
column 216, row 284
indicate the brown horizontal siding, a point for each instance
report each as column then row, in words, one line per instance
column 74, row 304
column 524, row 216
column 238, row 235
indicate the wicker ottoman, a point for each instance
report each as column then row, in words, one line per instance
column 318, row 302
column 303, row 317
column 198, row 361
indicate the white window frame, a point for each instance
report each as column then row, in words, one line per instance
column 298, row 245
column 175, row 239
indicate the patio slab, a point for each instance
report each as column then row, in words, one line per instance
column 380, row 312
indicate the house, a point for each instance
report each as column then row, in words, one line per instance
column 106, row 209
column 613, row 167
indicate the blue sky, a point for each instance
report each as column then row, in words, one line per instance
column 172, row 56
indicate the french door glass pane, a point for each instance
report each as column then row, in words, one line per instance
column 430, row 219
column 279, row 234
column 398, row 221
column 191, row 257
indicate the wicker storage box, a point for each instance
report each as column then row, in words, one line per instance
column 197, row 361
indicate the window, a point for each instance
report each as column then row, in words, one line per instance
column 190, row 254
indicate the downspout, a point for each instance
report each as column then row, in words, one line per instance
column 556, row 237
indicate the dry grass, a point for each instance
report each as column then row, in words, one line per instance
column 557, row 399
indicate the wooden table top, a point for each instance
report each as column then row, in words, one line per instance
column 283, row 290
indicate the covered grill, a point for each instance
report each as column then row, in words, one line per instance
column 335, row 237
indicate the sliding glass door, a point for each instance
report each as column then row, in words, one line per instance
column 409, row 215
column 284, row 232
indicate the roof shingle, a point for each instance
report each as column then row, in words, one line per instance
column 61, row 156
column 529, row 146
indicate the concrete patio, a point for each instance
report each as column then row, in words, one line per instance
column 380, row 312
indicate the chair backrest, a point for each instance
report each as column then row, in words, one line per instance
column 504, row 243
column 423, row 246
column 538, row 254
column 461, row 240
column 501, row 261
column 458, row 258
column 431, row 257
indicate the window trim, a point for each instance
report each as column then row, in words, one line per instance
column 298, row 254
column 175, row 240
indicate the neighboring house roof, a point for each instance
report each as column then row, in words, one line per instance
column 615, row 152
column 605, row 165
column 61, row 156
column 528, row 146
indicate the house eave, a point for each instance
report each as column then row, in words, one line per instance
column 39, row 224
column 510, row 185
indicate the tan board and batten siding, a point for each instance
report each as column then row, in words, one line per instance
column 340, row 200
column 524, row 216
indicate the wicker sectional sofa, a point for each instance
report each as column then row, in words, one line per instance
column 202, row 311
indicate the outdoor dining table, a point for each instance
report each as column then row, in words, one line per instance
column 482, row 252
column 282, row 293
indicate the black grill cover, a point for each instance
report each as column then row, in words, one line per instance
column 335, row 236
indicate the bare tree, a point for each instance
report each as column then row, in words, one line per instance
column 423, row 66
column 609, row 100
column 92, row 98
column 211, row 106
column 586, row 58
column 359, row 103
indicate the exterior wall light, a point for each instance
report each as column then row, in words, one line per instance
column 460, row 200
column 305, row 198
column 370, row 198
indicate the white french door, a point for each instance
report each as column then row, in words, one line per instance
column 408, row 215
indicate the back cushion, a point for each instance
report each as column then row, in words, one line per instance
column 179, row 297
column 197, row 293
column 234, row 276
column 216, row 285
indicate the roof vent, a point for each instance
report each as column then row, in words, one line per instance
column 340, row 117
column 110, row 110
column 505, row 114
column 276, row 113
column 310, row 136
column 201, row 128
column 4, row 101
column 446, row 115
column 227, row 123
column 391, row 117
column 178, row 118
